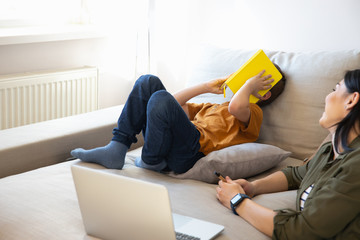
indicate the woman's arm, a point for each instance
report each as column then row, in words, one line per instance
column 260, row 217
column 276, row 182
column 257, row 215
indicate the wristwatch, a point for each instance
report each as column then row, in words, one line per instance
column 236, row 200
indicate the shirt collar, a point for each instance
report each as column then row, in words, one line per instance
column 354, row 145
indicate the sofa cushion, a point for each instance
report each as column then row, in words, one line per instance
column 239, row 161
column 42, row 204
column 290, row 122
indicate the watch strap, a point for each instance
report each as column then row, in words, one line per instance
column 234, row 206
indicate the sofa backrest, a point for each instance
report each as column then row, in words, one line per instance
column 291, row 121
column 49, row 142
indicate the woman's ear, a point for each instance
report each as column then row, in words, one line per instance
column 353, row 99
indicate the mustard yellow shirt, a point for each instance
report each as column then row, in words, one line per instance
column 219, row 129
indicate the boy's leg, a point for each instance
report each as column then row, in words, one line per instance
column 169, row 136
column 133, row 117
column 131, row 121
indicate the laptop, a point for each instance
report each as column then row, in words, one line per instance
column 118, row 207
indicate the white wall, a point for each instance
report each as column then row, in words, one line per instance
column 306, row 25
column 278, row 24
column 115, row 73
column 114, row 52
column 177, row 26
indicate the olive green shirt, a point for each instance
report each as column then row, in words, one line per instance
column 332, row 209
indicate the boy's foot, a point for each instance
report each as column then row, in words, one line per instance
column 157, row 167
column 109, row 156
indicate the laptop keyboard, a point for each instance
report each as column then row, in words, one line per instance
column 183, row 236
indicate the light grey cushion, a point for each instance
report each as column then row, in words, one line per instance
column 239, row 161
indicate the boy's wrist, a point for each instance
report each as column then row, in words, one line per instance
column 206, row 88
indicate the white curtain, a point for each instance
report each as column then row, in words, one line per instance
column 125, row 24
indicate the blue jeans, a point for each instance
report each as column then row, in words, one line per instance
column 168, row 133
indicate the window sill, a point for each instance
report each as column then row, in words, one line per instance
column 22, row 35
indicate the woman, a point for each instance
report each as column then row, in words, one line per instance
column 328, row 197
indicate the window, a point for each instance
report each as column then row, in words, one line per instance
column 19, row 13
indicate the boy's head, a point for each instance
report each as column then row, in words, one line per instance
column 276, row 90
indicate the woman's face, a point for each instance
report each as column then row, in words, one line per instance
column 335, row 107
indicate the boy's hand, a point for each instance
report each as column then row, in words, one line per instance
column 239, row 104
column 258, row 83
column 214, row 86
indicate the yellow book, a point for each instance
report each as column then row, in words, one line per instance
column 258, row 62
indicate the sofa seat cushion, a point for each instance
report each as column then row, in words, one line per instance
column 42, row 204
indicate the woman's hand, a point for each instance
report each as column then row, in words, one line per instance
column 249, row 187
column 227, row 190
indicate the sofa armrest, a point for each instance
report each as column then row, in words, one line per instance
column 41, row 144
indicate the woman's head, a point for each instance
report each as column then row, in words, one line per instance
column 342, row 109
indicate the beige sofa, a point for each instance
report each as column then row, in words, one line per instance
column 38, row 199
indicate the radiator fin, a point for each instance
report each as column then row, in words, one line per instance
column 36, row 97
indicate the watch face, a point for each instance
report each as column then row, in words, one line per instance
column 236, row 198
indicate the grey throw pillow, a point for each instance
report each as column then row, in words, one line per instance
column 239, row 161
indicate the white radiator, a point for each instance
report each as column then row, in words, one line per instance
column 34, row 97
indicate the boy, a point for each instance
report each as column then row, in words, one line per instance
column 177, row 133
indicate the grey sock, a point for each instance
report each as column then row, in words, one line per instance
column 109, row 156
column 156, row 167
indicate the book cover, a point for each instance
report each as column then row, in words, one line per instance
column 258, row 62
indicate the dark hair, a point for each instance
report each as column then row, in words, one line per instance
column 352, row 83
column 276, row 90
